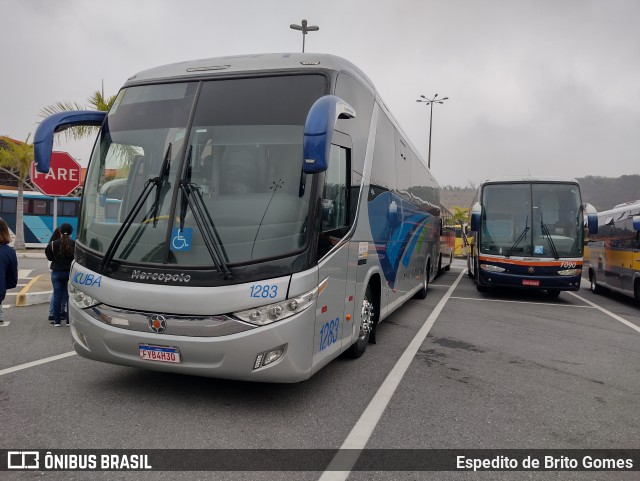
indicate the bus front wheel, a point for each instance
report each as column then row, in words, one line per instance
column 367, row 322
column 595, row 288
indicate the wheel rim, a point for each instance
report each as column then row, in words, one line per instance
column 593, row 283
column 367, row 318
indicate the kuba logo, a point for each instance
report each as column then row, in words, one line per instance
column 87, row 279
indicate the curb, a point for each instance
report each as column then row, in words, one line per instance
column 30, row 255
column 42, row 292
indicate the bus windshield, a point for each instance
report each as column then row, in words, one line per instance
column 532, row 220
column 236, row 143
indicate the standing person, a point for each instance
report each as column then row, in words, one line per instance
column 60, row 253
column 63, row 309
column 8, row 265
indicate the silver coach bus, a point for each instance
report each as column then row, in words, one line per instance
column 274, row 214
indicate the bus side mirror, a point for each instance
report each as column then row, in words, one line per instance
column 476, row 215
column 318, row 130
column 636, row 222
column 43, row 140
column 592, row 218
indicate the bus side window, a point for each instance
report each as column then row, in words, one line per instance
column 335, row 200
column 336, row 190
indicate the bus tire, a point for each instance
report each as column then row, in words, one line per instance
column 476, row 278
column 422, row 293
column 595, row 288
column 636, row 290
column 553, row 293
column 367, row 322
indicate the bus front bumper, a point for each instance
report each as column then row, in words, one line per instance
column 231, row 356
column 496, row 279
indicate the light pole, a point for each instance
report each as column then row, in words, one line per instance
column 304, row 29
column 430, row 102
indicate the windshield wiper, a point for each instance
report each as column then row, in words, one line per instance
column 545, row 232
column 156, row 182
column 192, row 197
column 515, row 244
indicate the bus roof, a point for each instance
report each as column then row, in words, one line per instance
column 220, row 66
column 515, row 178
column 631, row 206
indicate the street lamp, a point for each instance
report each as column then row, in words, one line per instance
column 430, row 102
column 305, row 29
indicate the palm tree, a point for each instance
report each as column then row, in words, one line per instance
column 18, row 157
column 96, row 102
column 461, row 216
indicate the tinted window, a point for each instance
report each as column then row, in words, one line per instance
column 383, row 173
column 258, row 101
column 9, row 205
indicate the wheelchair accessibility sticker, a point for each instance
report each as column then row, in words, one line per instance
column 181, row 239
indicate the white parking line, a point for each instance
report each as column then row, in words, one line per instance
column 608, row 313
column 361, row 432
column 520, row 302
column 36, row 363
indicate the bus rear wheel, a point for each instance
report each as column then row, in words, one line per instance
column 422, row 293
column 367, row 322
column 636, row 290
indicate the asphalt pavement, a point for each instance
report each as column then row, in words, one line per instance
column 457, row 370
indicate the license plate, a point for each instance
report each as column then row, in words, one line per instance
column 530, row 282
column 159, row 353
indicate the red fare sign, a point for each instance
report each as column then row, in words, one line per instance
column 63, row 176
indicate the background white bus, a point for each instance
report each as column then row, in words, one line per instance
column 614, row 252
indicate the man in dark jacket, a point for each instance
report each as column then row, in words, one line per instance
column 8, row 265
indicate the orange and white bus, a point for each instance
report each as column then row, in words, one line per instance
column 528, row 233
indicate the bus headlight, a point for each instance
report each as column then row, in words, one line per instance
column 491, row 268
column 79, row 298
column 277, row 311
column 570, row 272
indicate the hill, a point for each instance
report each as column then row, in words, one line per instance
column 605, row 192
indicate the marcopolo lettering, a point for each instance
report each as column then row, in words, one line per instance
column 160, row 276
column 87, row 279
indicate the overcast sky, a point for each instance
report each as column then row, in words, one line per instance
column 540, row 87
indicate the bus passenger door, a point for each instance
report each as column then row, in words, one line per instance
column 331, row 325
